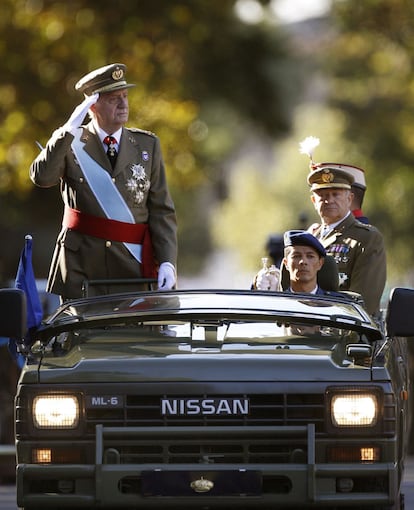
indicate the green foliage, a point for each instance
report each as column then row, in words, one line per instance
column 200, row 73
column 373, row 84
column 275, row 198
column 365, row 117
column 181, row 54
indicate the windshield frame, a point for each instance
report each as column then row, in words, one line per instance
column 211, row 306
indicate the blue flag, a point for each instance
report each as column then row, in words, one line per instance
column 25, row 280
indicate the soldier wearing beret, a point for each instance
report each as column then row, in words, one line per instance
column 119, row 219
column 303, row 258
column 357, row 248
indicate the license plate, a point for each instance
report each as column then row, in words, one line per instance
column 201, row 483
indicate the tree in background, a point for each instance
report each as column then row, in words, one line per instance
column 373, row 85
column 204, row 80
column 360, row 103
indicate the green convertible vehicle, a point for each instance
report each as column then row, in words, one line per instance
column 212, row 399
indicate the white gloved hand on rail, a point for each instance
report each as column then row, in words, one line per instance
column 166, row 276
column 79, row 114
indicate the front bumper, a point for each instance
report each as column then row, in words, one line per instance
column 108, row 484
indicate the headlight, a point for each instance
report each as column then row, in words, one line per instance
column 354, row 410
column 56, row 412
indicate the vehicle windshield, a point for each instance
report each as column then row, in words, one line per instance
column 225, row 335
column 210, row 317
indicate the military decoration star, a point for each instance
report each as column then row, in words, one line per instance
column 343, row 277
column 138, row 172
column 111, row 149
column 138, row 184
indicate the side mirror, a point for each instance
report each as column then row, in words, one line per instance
column 12, row 313
column 400, row 313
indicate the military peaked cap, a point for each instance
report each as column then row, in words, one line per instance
column 104, row 79
column 330, row 175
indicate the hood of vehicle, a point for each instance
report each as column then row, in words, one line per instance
column 137, row 363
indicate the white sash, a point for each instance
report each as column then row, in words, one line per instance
column 105, row 191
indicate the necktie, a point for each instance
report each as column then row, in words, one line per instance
column 110, row 141
column 324, row 231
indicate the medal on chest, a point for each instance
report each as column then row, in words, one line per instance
column 138, row 184
column 340, row 252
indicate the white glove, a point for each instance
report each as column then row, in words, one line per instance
column 267, row 279
column 166, row 276
column 79, row 113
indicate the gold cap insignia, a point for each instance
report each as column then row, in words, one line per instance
column 105, row 79
column 118, row 74
column 327, row 176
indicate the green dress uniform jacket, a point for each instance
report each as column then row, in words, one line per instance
column 359, row 252
column 78, row 257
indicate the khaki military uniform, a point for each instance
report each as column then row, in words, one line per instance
column 77, row 256
column 359, row 252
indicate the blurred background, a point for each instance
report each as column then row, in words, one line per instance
column 231, row 88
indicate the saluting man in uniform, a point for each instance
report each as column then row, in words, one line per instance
column 119, row 219
column 358, row 248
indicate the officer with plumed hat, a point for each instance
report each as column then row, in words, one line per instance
column 358, row 248
column 119, row 219
column 349, row 174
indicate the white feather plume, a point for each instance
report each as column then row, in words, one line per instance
column 308, row 145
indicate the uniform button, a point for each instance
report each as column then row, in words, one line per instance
column 108, row 244
column 113, row 179
column 80, row 179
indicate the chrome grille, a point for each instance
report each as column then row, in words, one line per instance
column 275, row 410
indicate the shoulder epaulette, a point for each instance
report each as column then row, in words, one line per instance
column 313, row 227
column 365, row 226
column 141, row 131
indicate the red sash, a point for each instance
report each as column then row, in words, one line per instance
column 114, row 230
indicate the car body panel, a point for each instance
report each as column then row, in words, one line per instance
column 213, row 399
column 195, row 366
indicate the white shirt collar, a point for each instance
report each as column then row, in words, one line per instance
column 102, row 134
column 328, row 228
column 314, row 291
